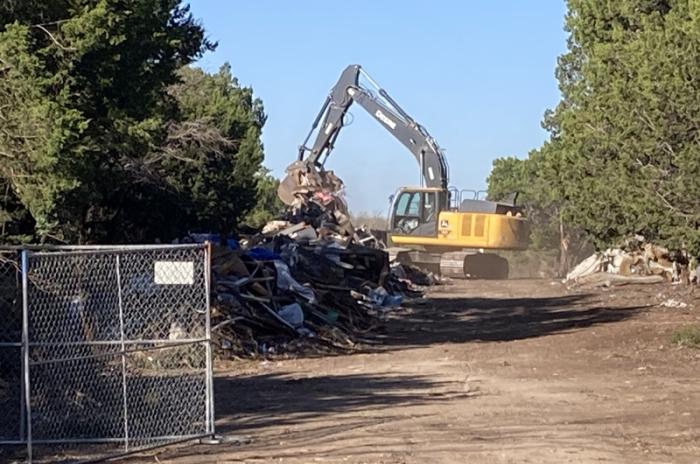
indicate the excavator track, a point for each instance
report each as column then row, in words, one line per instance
column 473, row 265
column 458, row 264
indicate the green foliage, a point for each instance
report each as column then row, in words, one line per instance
column 688, row 337
column 508, row 175
column 107, row 136
column 16, row 224
column 627, row 124
column 535, row 178
column 624, row 153
column 268, row 205
column 215, row 156
column 84, row 98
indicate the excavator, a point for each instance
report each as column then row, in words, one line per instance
column 431, row 226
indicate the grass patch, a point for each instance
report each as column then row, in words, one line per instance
column 687, row 336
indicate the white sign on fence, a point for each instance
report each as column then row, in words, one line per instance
column 173, row 272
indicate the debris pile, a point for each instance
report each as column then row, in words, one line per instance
column 282, row 295
column 307, row 279
column 636, row 262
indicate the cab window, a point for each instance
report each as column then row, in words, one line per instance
column 415, row 213
column 402, row 203
column 414, row 205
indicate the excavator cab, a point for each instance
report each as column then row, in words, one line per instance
column 431, row 219
column 415, row 211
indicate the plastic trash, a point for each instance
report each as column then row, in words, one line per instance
column 392, row 301
column 380, row 297
column 398, row 271
column 263, row 254
column 332, row 315
column 332, row 252
column 377, row 296
column 287, row 282
column 293, row 314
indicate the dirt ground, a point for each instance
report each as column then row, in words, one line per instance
column 497, row 372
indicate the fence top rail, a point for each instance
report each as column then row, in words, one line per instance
column 38, row 250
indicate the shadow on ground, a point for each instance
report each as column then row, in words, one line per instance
column 262, row 400
column 460, row 320
column 259, row 401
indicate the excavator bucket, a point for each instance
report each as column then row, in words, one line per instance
column 291, row 184
column 303, row 179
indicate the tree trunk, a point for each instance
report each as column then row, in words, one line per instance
column 564, row 242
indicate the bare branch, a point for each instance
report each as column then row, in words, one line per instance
column 200, row 132
column 671, row 207
column 53, row 23
column 62, row 47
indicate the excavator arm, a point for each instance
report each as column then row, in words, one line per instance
column 387, row 112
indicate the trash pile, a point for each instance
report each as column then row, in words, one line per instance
column 306, row 279
column 288, row 289
column 635, row 262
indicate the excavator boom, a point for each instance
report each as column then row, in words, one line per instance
column 377, row 102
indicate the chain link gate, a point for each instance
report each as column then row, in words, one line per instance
column 116, row 349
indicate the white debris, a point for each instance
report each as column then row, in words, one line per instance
column 634, row 259
column 671, row 303
column 274, row 226
column 588, row 266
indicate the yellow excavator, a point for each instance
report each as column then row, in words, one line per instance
column 431, row 226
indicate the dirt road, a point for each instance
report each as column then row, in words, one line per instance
column 497, row 372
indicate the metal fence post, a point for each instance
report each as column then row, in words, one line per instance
column 23, row 419
column 123, row 351
column 210, row 373
column 25, row 350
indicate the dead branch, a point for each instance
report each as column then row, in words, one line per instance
column 53, row 23
column 60, row 45
column 200, row 134
column 671, row 207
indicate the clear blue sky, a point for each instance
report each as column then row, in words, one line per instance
column 477, row 74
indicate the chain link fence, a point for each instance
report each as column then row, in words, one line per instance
column 116, row 350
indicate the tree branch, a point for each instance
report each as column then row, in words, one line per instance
column 61, row 46
column 671, row 207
